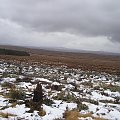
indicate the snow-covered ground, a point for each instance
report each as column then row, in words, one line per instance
column 68, row 89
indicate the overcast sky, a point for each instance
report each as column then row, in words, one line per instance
column 78, row 24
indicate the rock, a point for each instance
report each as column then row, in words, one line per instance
column 36, row 102
column 38, row 94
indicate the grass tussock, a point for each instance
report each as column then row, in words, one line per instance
column 86, row 115
column 113, row 88
column 98, row 118
column 71, row 115
column 14, row 104
column 75, row 115
column 6, row 115
column 41, row 113
column 7, row 85
column 16, row 94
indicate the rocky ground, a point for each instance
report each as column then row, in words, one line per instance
column 68, row 94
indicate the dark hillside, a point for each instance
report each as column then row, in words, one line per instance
column 13, row 52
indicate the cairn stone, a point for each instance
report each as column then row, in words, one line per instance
column 20, row 70
column 36, row 102
column 38, row 94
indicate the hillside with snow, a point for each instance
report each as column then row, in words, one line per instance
column 68, row 94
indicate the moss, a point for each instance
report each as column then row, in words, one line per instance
column 113, row 88
column 48, row 101
column 7, row 85
column 94, row 102
column 81, row 106
column 17, row 94
column 68, row 97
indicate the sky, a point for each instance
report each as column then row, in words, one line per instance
column 77, row 24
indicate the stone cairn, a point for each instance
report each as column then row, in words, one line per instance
column 36, row 102
column 38, row 94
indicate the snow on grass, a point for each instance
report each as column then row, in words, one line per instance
column 3, row 102
column 18, row 110
column 69, row 80
column 110, row 111
column 51, row 112
column 55, row 83
column 104, row 111
column 8, row 79
column 25, row 85
column 114, row 94
column 57, row 110
column 98, row 96
column 42, row 80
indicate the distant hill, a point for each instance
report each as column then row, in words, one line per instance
column 13, row 52
column 57, row 51
column 86, row 60
column 69, row 50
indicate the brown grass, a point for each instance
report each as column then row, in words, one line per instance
column 14, row 104
column 6, row 115
column 42, row 113
column 71, row 115
column 86, row 115
column 75, row 115
column 100, row 63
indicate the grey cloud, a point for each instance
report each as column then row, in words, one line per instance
column 80, row 17
column 94, row 18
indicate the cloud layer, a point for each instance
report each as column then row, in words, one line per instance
column 92, row 25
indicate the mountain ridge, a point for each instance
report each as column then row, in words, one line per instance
column 34, row 50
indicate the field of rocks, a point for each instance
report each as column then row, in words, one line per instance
column 48, row 92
